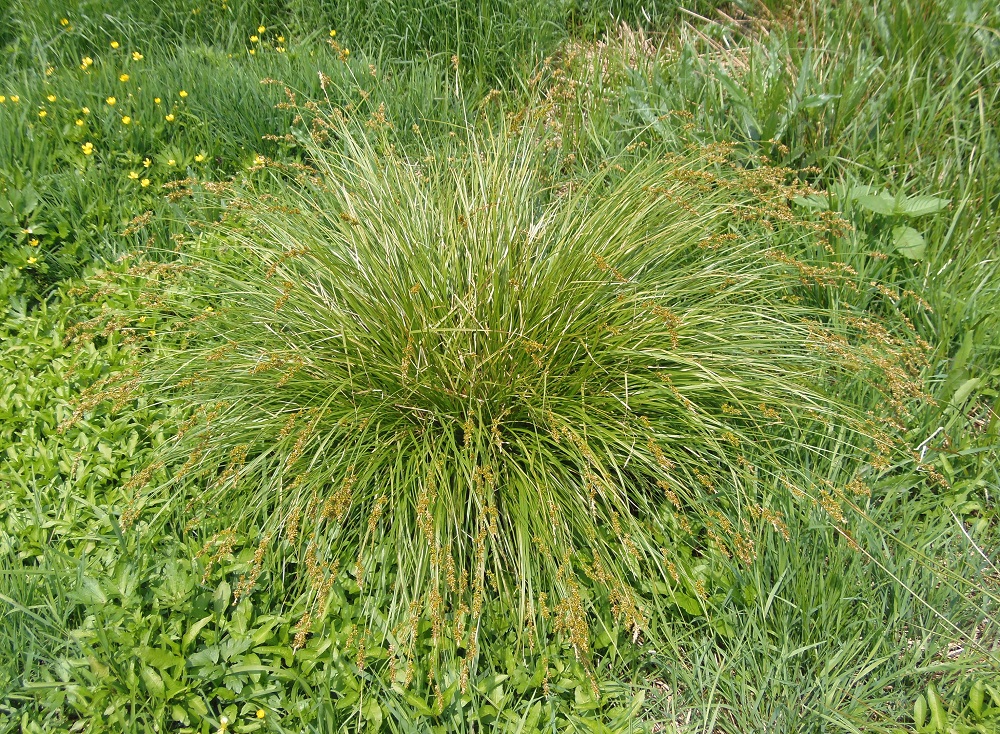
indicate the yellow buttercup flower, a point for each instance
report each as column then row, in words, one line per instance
column 14, row 98
column 199, row 158
column 85, row 110
column 111, row 101
column 146, row 162
column 254, row 39
column 281, row 39
column 114, row 44
column 261, row 713
column 123, row 78
column 133, row 175
column 32, row 260
column 261, row 29
column 33, row 242
column 333, row 34
column 51, row 98
column 183, row 94
column 79, row 123
column 136, row 56
column 253, row 52
column 2, row 99
column 42, row 113
column 156, row 100
column 171, row 162
column 170, row 117
column 126, row 120
column 144, row 183
column 87, row 148
column 64, row 21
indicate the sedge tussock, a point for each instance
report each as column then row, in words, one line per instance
column 457, row 390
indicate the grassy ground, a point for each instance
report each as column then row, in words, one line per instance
column 890, row 110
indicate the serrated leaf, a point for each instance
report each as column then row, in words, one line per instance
column 204, row 657
column 879, row 204
column 909, row 242
column 917, row 206
column 849, row 192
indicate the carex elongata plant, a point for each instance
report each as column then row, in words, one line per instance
column 454, row 389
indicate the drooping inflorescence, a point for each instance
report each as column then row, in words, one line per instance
column 460, row 391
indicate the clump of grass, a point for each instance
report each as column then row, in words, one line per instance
column 453, row 389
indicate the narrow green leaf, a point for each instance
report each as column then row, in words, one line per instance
column 222, row 596
column 919, row 711
column 939, row 717
column 976, row 696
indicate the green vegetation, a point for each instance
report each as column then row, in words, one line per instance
column 499, row 367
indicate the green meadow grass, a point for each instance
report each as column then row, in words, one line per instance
column 889, row 110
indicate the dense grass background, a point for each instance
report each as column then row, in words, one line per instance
column 496, row 41
column 103, row 630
